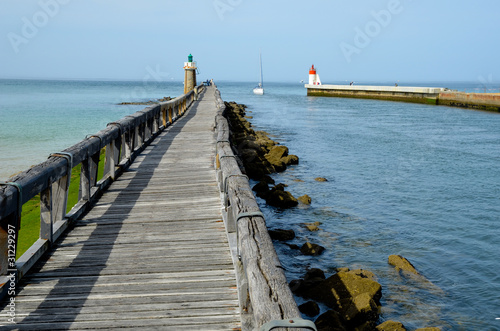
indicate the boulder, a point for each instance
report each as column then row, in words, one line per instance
column 261, row 189
column 390, row 326
column 314, row 273
column 311, row 249
column 248, row 155
column 310, row 308
column 293, row 246
column 280, row 187
column 268, row 180
column 258, row 168
column 402, row 264
column 312, row 226
column 329, row 321
column 312, row 278
column 353, row 294
column 278, row 197
column 320, row 179
column 275, row 157
column 281, row 234
column 305, row 199
column 290, row 159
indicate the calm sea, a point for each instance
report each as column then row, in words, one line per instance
column 416, row 180
column 38, row 118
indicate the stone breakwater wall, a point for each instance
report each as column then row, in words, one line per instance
column 425, row 95
column 482, row 101
column 428, row 95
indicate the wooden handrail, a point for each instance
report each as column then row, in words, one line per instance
column 123, row 140
column 267, row 296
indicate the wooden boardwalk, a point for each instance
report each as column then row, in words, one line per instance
column 153, row 251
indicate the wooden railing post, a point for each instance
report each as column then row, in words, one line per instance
column 46, row 215
column 128, row 145
column 85, row 180
column 147, row 128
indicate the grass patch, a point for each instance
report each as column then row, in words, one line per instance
column 30, row 216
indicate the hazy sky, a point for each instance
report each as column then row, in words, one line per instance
column 359, row 40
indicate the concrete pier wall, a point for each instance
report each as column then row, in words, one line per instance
column 427, row 95
column 483, row 101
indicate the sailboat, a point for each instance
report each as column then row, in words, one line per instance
column 259, row 89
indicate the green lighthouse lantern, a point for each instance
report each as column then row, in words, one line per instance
column 190, row 58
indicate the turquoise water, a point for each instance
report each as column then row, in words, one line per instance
column 416, row 180
column 38, row 118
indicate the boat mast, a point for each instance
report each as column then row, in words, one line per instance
column 260, row 57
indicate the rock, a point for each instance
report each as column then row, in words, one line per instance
column 290, row 159
column 258, row 168
column 364, row 274
column 362, row 308
column 314, row 273
column 320, row 179
column 293, row 246
column 268, row 180
column 261, row 189
column 312, row 278
column 248, row 155
column 282, row 234
column 277, row 197
column 352, row 293
column 390, row 326
column 310, row 308
column 329, row 321
column 402, row 264
column 312, row 226
column 275, row 157
column 342, row 269
column 311, row 249
column 280, row 187
column 305, row 199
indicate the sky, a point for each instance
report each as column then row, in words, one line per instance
column 356, row 40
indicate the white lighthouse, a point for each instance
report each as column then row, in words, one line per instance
column 313, row 77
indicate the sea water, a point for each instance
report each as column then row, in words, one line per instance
column 40, row 117
column 416, row 180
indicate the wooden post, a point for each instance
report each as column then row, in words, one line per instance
column 109, row 166
column 128, row 144
column 85, row 180
column 46, row 215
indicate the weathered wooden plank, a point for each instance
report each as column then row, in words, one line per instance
column 188, row 323
column 175, row 306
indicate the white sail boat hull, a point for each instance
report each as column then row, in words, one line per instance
column 258, row 90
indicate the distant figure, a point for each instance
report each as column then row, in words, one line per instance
column 351, row 83
column 396, row 84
